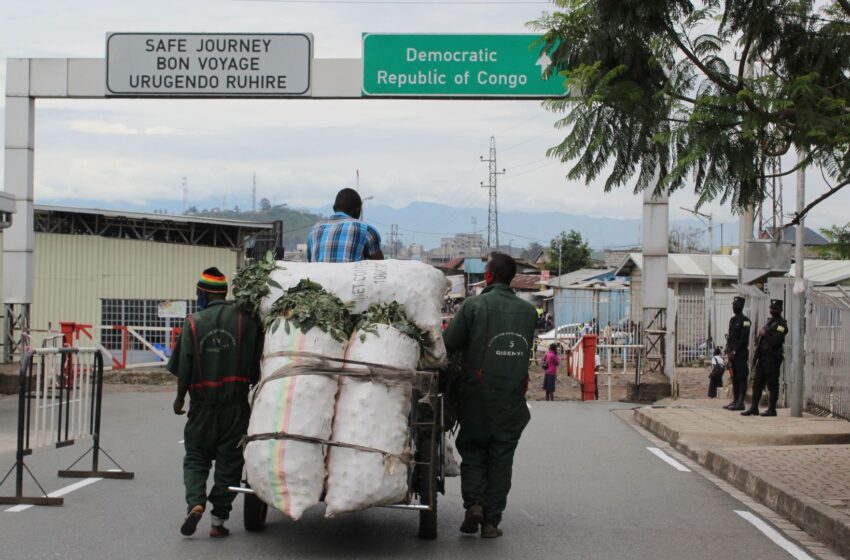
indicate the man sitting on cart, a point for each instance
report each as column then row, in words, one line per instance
column 344, row 237
column 495, row 331
column 216, row 359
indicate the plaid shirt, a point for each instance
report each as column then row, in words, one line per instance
column 341, row 239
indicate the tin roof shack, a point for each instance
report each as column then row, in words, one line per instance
column 687, row 274
column 822, row 272
column 586, row 294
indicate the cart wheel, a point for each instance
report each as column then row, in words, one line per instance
column 427, row 495
column 254, row 513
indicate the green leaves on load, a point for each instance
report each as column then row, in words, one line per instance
column 308, row 305
column 394, row 315
column 252, row 283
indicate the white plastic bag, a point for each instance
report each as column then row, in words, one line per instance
column 290, row 475
column 371, row 414
column 419, row 287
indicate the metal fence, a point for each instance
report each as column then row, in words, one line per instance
column 827, row 345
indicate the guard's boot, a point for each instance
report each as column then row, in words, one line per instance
column 731, row 404
column 771, row 406
column 490, row 531
column 752, row 411
column 754, row 407
column 739, row 405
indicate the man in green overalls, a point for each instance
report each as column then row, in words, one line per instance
column 495, row 332
column 216, row 359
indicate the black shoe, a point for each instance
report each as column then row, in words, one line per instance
column 472, row 520
column 737, row 407
column 750, row 412
column 730, row 405
column 769, row 412
column 191, row 521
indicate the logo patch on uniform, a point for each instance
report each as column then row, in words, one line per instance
column 746, row 323
column 780, row 329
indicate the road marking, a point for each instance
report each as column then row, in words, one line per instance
column 59, row 493
column 668, row 459
column 771, row 533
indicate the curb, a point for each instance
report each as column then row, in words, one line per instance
column 819, row 520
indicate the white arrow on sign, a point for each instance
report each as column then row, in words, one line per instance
column 543, row 62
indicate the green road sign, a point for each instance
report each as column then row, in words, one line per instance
column 456, row 66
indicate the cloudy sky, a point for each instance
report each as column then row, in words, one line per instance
column 133, row 154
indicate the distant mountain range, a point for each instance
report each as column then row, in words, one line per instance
column 426, row 223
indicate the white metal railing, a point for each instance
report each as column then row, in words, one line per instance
column 827, row 348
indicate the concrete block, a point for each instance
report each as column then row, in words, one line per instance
column 19, row 237
column 17, row 77
column 17, row 277
column 20, row 122
column 86, row 77
column 49, row 77
column 337, row 77
column 18, row 173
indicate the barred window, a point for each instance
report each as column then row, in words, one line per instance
column 136, row 313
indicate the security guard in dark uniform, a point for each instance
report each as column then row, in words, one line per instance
column 770, row 352
column 495, row 332
column 216, row 360
column 737, row 353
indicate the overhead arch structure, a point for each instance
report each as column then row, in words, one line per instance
column 390, row 74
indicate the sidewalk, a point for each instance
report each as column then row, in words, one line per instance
column 799, row 467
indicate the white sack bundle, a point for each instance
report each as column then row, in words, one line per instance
column 420, row 288
column 286, row 474
column 375, row 415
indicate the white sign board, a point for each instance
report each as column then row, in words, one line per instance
column 172, row 310
column 208, row 65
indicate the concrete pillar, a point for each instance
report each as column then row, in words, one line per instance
column 746, row 222
column 655, row 230
column 18, row 182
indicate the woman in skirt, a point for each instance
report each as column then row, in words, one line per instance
column 550, row 368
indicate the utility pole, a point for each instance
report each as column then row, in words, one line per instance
column 393, row 240
column 798, row 322
column 254, row 194
column 185, row 194
column 493, row 211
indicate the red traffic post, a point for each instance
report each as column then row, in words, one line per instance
column 588, row 387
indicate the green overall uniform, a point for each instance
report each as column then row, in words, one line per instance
column 216, row 359
column 495, row 331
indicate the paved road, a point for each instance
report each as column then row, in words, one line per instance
column 585, row 486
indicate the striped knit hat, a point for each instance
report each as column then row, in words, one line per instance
column 213, row 281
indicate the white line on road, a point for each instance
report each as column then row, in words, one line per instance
column 668, row 459
column 62, row 491
column 771, row 533
column 59, row 493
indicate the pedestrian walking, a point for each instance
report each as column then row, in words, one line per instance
column 215, row 360
column 770, row 352
column 715, row 377
column 738, row 353
column 550, row 371
column 495, row 331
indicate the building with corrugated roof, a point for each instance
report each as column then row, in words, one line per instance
column 106, row 267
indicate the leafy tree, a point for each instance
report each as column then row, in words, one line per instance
column 703, row 92
column 574, row 252
column 265, row 205
column 684, row 239
column 839, row 242
column 532, row 252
